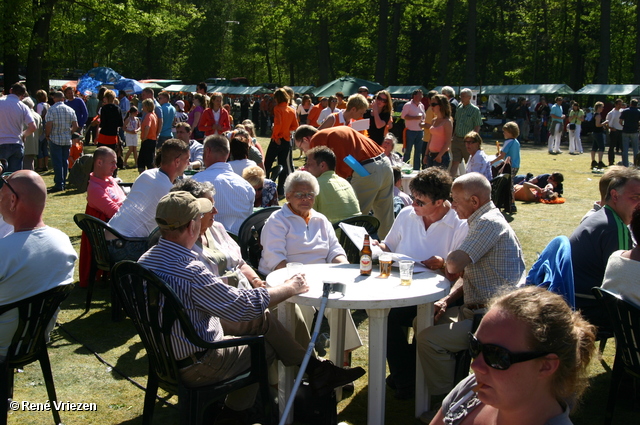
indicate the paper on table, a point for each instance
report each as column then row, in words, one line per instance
column 418, row 266
column 356, row 234
column 360, row 125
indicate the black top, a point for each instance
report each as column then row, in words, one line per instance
column 376, row 134
column 110, row 119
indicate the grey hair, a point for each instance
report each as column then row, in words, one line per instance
column 474, row 184
column 466, row 91
column 449, row 91
column 392, row 137
column 301, row 177
column 197, row 189
column 29, row 102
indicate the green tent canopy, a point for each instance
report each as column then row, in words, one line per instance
column 191, row 88
column 303, row 89
column 610, row 89
column 541, row 89
column 347, row 85
column 404, row 92
column 457, row 88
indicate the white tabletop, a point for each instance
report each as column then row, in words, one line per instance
column 377, row 296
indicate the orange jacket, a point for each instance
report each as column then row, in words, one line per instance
column 284, row 122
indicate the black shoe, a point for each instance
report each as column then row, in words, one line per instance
column 327, row 376
column 601, row 165
column 594, row 164
column 513, row 209
column 54, row 190
column 528, row 177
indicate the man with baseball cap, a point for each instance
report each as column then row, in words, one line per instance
column 210, row 304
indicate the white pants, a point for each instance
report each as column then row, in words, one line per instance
column 575, row 144
column 554, row 140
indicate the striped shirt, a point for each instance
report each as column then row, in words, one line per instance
column 62, row 117
column 467, row 118
column 204, row 296
column 496, row 256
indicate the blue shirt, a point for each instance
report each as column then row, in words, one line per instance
column 80, row 109
column 168, row 113
column 556, row 110
column 631, row 117
column 511, row 149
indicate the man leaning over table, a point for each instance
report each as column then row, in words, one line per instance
column 428, row 231
column 208, row 300
column 491, row 258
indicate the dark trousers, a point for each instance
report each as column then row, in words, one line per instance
column 146, row 155
column 401, row 356
column 615, row 143
column 282, row 152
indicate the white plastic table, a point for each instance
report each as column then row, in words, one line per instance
column 376, row 296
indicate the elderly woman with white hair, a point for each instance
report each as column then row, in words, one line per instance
column 298, row 233
column 32, row 142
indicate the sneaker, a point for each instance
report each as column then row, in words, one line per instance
column 513, row 209
column 594, row 164
column 327, row 376
column 601, row 165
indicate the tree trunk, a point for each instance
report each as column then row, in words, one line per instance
column 383, row 28
column 393, row 45
column 602, row 75
column 636, row 57
column 472, row 20
column 323, row 52
column 10, row 22
column 445, row 44
column 36, row 79
column 577, row 60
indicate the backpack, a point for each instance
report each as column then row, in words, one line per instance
column 310, row 409
column 79, row 174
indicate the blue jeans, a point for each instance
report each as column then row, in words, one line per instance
column 414, row 138
column 13, row 153
column 59, row 161
column 443, row 164
column 626, row 139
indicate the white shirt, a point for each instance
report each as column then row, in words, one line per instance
column 137, row 215
column 412, row 109
column 234, row 195
column 408, row 236
column 239, row 165
column 479, row 163
column 195, row 151
column 614, row 119
column 286, row 236
column 13, row 115
column 324, row 114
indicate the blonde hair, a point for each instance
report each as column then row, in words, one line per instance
column 512, row 128
column 254, row 175
column 357, row 101
column 110, row 95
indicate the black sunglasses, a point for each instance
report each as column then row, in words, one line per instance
column 499, row 357
column 4, row 181
column 435, row 104
column 417, row 201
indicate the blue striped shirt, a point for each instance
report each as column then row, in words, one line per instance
column 204, row 296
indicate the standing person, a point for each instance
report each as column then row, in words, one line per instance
column 342, row 104
column 521, row 113
column 110, row 121
column 131, row 134
column 255, row 113
column 245, row 105
column 32, row 142
column 314, row 113
column 61, row 122
column 148, row 132
column 91, row 132
column 43, row 148
column 379, row 116
column 598, row 138
column 541, row 130
column 304, row 108
column 77, row 104
column 14, row 115
column 413, row 115
column 629, row 118
column 215, row 119
column 576, row 117
column 148, row 93
column 168, row 114
column 280, row 146
column 357, row 105
column 426, row 124
column 124, row 104
column 195, row 115
column 441, row 130
column 615, row 131
column 326, row 112
column 181, row 116
column 467, row 118
column 557, row 121
column 451, row 95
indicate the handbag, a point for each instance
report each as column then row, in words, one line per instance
column 572, row 126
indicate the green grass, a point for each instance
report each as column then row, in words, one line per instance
column 81, row 377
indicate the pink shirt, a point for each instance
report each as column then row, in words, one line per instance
column 104, row 195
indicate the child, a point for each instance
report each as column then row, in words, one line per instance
column 510, row 153
column 131, row 130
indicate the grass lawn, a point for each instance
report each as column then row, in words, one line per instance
column 97, row 361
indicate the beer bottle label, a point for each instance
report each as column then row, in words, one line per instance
column 365, row 263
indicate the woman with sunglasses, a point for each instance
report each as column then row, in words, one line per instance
column 478, row 161
column 379, row 116
column 531, row 353
column 441, row 132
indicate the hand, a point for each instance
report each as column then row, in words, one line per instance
column 438, row 159
column 299, row 283
column 434, row 263
column 439, row 308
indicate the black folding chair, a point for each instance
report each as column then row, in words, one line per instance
column 249, row 235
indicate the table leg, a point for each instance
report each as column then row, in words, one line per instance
column 286, row 375
column 337, row 321
column 424, row 320
column 377, row 362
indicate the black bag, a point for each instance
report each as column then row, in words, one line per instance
column 572, row 126
column 310, row 409
column 79, row 173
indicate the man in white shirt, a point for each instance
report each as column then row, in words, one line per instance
column 333, row 102
column 14, row 115
column 413, row 115
column 615, row 131
column 136, row 216
column 234, row 195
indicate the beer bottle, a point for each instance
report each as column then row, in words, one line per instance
column 366, row 263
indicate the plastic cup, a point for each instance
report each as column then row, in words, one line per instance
column 406, row 272
column 385, row 261
column 293, row 269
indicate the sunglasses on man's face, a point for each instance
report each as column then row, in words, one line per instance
column 4, row 181
column 499, row 357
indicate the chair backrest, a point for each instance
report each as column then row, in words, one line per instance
column 34, row 315
column 625, row 320
column 94, row 229
column 249, row 235
column 501, row 191
column 370, row 223
column 553, row 270
column 274, row 172
column 154, row 307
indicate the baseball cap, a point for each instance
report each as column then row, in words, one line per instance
column 178, row 208
column 364, row 88
column 180, row 103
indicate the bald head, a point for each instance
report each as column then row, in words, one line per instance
column 31, row 189
column 22, row 201
column 474, row 184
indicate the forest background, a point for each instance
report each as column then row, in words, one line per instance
column 307, row 42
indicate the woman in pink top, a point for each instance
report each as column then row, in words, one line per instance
column 194, row 116
column 441, row 130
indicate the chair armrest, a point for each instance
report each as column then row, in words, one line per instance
column 232, row 342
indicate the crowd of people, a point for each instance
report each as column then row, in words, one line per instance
column 529, row 338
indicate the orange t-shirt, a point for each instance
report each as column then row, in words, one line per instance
column 284, row 122
column 314, row 113
column 152, row 121
column 344, row 141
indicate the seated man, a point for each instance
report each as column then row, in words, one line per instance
column 234, row 195
column 491, row 258
column 430, row 230
column 398, row 194
column 104, row 199
column 36, row 257
column 135, row 218
column 209, row 302
column 603, row 186
column 599, row 236
column 336, row 199
column 183, row 132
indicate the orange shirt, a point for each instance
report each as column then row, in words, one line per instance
column 152, row 121
column 344, row 141
column 314, row 113
column 284, row 122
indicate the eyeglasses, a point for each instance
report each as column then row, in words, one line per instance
column 304, row 195
column 434, row 104
column 4, row 181
column 418, row 202
column 499, row 357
